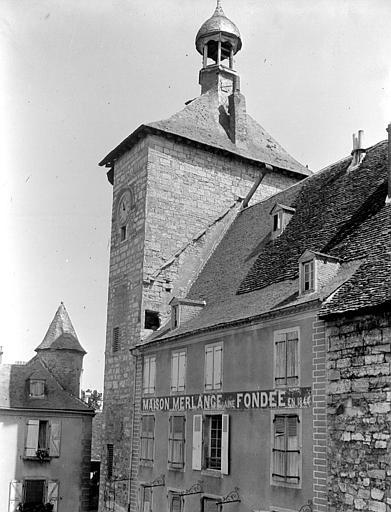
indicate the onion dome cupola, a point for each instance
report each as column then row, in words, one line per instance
column 218, row 38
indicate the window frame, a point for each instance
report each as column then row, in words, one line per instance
column 208, row 347
column 275, row 341
column 174, row 389
column 201, row 444
column 143, row 488
column 51, row 447
column 297, row 413
column 313, row 276
column 150, row 388
column 171, row 495
column 149, row 439
column 33, row 382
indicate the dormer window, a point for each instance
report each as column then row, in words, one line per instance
column 316, row 270
column 175, row 316
column 37, row 388
column 183, row 310
column 280, row 217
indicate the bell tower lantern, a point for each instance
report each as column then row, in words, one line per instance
column 218, row 40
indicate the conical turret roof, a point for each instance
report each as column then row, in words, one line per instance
column 61, row 334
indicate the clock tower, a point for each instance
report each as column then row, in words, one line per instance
column 177, row 186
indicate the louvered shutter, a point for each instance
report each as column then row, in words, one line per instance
column 293, row 447
column 292, row 358
column 15, row 495
column 146, row 375
column 181, row 371
column 174, row 371
column 55, row 438
column 32, row 438
column 197, row 442
column 217, row 364
column 53, row 494
column 225, row 444
column 209, row 368
column 280, row 361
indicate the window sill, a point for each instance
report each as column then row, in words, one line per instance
column 289, row 485
column 146, row 463
column 215, row 473
column 176, row 469
column 36, row 459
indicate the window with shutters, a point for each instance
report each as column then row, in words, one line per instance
column 147, row 438
column 286, row 357
column 149, row 375
column 213, row 367
column 37, row 388
column 116, row 344
column 178, row 371
column 32, row 494
column 211, row 435
column 286, row 455
column 176, row 442
column 42, row 439
column 109, row 460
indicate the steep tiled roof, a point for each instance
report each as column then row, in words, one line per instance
column 204, row 122
column 14, row 390
column 61, row 335
column 338, row 213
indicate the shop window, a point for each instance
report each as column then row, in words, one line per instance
column 43, row 439
column 116, row 339
column 149, row 374
column 286, row 370
column 109, row 460
column 37, row 388
column 176, row 442
column 178, row 371
column 213, row 366
column 152, row 320
column 175, row 502
column 147, row 437
column 211, row 436
column 286, row 452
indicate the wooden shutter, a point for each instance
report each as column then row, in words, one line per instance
column 217, row 364
column 174, row 371
column 55, row 438
column 181, row 371
column 197, row 442
column 146, row 375
column 32, row 438
column 15, row 495
column 292, row 358
column 53, row 494
column 208, row 368
column 280, row 359
column 225, row 444
column 152, row 374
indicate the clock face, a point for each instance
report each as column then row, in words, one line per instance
column 124, row 207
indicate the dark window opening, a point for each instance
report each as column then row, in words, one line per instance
column 123, row 233
column 276, row 223
column 34, row 492
column 43, row 435
column 152, row 320
column 110, row 458
column 116, row 340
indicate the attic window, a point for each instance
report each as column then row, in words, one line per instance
column 37, row 388
column 175, row 316
column 307, row 276
column 152, row 320
column 280, row 217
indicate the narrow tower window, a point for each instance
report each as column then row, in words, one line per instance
column 110, row 458
column 116, row 339
column 152, row 320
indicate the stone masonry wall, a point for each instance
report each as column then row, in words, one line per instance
column 359, row 413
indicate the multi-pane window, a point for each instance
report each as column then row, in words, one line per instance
column 286, row 372
column 110, row 460
column 149, row 374
column 213, row 366
column 210, row 442
column 147, row 437
column 286, row 452
column 37, row 388
column 176, row 442
column 178, row 371
column 307, row 276
column 43, row 438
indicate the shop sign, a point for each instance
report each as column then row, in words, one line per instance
column 290, row 398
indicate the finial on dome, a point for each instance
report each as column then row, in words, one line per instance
column 219, row 10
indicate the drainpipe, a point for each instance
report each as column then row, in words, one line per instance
column 388, row 198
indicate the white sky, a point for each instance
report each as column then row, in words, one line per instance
column 78, row 76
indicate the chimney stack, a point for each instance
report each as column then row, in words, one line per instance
column 388, row 198
column 358, row 151
column 237, row 117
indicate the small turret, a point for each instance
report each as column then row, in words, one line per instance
column 62, row 353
